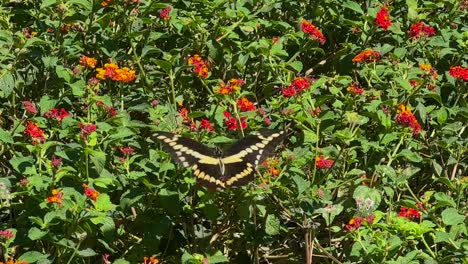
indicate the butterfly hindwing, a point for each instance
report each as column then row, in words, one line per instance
column 190, row 153
column 241, row 159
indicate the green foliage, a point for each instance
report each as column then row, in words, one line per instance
column 374, row 168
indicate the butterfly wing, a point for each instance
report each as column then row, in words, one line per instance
column 241, row 159
column 190, row 153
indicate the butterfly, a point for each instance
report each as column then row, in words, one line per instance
column 216, row 169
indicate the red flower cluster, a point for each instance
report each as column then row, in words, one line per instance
column 245, row 105
column 355, row 89
column 113, row 72
column 199, row 64
column 459, row 72
column 35, row 132
column 56, row 197
column 86, row 130
column 406, row 117
column 420, row 29
column 57, row 114
column 232, row 86
column 90, row 192
column 298, row 85
column 164, row 13
column 89, row 62
column 356, row 222
column 30, row 107
column 231, row 122
column 313, row 31
column 7, row 234
column 409, row 213
column 127, row 150
column 56, row 161
column 367, row 56
column 323, row 163
column 205, row 124
column 383, row 18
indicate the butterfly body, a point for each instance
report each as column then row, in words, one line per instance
column 215, row 168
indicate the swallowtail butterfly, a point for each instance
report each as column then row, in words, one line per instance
column 217, row 169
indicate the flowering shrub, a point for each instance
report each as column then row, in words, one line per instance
column 372, row 96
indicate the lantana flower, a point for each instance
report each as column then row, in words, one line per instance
column 406, row 117
column 382, row 18
column 200, row 66
column 420, row 29
column 323, row 163
column 368, row 55
column 459, row 72
column 308, row 28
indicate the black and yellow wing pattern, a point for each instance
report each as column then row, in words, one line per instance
column 216, row 169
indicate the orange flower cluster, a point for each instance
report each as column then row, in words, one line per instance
column 199, row 64
column 420, row 29
column 459, row 72
column 150, row 260
column 409, row 213
column 11, row 261
column 90, row 192
column 272, row 167
column 232, row 86
column 313, row 31
column 106, row 2
column 383, row 18
column 367, row 56
column 428, row 68
column 406, row 117
column 355, row 89
column 56, row 197
column 35, row 132
column 113, row 72
column 88, row 62
column 323, row 163
column 245, row 105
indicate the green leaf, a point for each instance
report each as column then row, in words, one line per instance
column 442, row 116
column 296, row 65
column 301, row 184
column 47, row 3
column 443, row 200
column 45, row 104
column 63, row 73
column 354, row 6
column 7, row 84
column 165, row 66
column 86, row 252
column 450, row 216
column 309, row 136
column 218, row 257
column 121, row 261
column 272, row 225
column 33, row 256
column 103, row 203
column 36, row 234
column 410, row 155
column 5, row 136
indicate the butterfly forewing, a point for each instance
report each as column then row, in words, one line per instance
column 236, row 167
